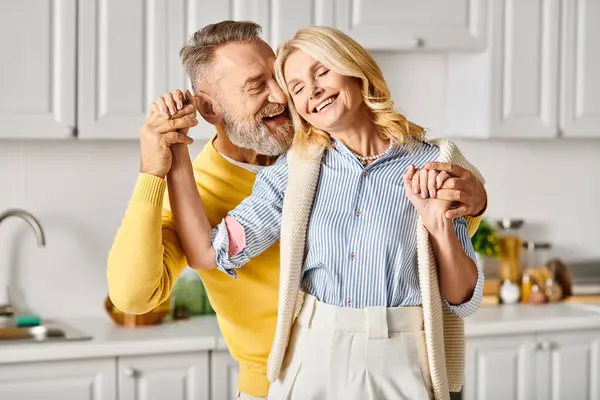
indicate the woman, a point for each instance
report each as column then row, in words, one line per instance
column 363, row 249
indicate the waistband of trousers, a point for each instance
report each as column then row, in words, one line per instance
column 374, row 321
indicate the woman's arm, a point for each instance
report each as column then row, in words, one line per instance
column 190, row 219
column 460, row 278
column 247, row 231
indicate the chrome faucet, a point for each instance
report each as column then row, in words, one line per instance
column 30, row 219
column 7, row 310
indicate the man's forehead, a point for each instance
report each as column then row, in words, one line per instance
column 244, row 59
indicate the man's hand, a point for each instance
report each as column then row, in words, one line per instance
column 459, row 186
column 158, row 134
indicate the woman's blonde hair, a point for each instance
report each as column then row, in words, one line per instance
column 343, row 55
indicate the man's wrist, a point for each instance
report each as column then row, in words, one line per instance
column 153, row 173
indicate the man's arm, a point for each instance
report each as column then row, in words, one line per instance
column 146, row 258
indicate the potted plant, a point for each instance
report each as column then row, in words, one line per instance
column 485, row 241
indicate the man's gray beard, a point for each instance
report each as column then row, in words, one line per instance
column 255, row 136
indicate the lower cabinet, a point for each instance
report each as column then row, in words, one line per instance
column 90, row 379
column 174, row 376
column 224, row 375
column 543, row 366
column 180, row 376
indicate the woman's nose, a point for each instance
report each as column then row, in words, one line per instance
column 315, row 92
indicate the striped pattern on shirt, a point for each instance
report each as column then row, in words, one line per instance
column 361, row 248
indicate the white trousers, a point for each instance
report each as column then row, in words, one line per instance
column 336, row 353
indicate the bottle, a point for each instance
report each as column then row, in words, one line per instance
column 526, row 284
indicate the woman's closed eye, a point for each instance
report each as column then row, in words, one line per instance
column 323, row 73
column 298, row 89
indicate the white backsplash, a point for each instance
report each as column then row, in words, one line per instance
column 79, row 191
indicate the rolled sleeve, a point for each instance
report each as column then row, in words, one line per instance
column 469, row 307
column 259, row 215
column 220, row 241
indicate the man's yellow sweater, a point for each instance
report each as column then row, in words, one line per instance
column 147, row 258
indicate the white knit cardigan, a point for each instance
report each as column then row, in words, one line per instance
column 444, row 333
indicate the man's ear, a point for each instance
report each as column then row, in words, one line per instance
column 208, row 108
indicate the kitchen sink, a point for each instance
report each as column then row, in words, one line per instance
column 48, row 331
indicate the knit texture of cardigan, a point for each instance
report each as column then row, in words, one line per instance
column 444, row 332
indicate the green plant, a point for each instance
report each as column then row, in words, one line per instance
column 485, row 240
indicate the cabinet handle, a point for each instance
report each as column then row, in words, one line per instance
column 130, row 372
column 418, row 42
column 548, row 346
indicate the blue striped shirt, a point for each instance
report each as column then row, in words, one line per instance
column 361, row 245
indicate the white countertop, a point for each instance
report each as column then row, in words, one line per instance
column 111, row 340
column 532, row 318
column 203, row 334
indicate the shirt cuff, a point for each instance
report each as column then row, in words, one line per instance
column 220, row 242
column 469, row 307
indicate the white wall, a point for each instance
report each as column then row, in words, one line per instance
column 79, row 191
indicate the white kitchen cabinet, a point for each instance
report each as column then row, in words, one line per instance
column 440, row 25
column 556, row 365
column 37, row 52
column 224, row 376
column 580, row 63
column 510, row 90
column 500, row 368
column 568, row 365
column 177, row 376
column 122, row 65
column 91, row 379
column 536, row 78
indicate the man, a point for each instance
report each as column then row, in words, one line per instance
column 231, row 71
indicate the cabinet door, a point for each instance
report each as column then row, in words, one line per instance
column 580, row 94
column 179, row 376
column 500, row 367
column 92, row 379
column 568, row 365
column 457, row 25
column 510, row 90
column 122, row 65
column 224, row 378
column 37, row 50
column 279, row 20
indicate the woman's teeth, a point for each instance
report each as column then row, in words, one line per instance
column 325, row 103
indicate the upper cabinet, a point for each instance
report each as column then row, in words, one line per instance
column 37, row 83
column 580, row 86
column 430, row 25
column 535, row 78
column 122, row 64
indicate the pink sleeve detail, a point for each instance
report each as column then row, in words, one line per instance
column 237, row 236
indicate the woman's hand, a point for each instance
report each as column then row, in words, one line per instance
column 426, row 183
column 432, row 210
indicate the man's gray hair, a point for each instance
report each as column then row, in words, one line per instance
column 198, row 54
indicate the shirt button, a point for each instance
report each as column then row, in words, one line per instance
column 352, row 256
column 358, row 212
column 365, row 173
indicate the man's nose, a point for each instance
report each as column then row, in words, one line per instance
column 276, row 95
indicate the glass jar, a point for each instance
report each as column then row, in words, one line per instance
column 189, row 295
